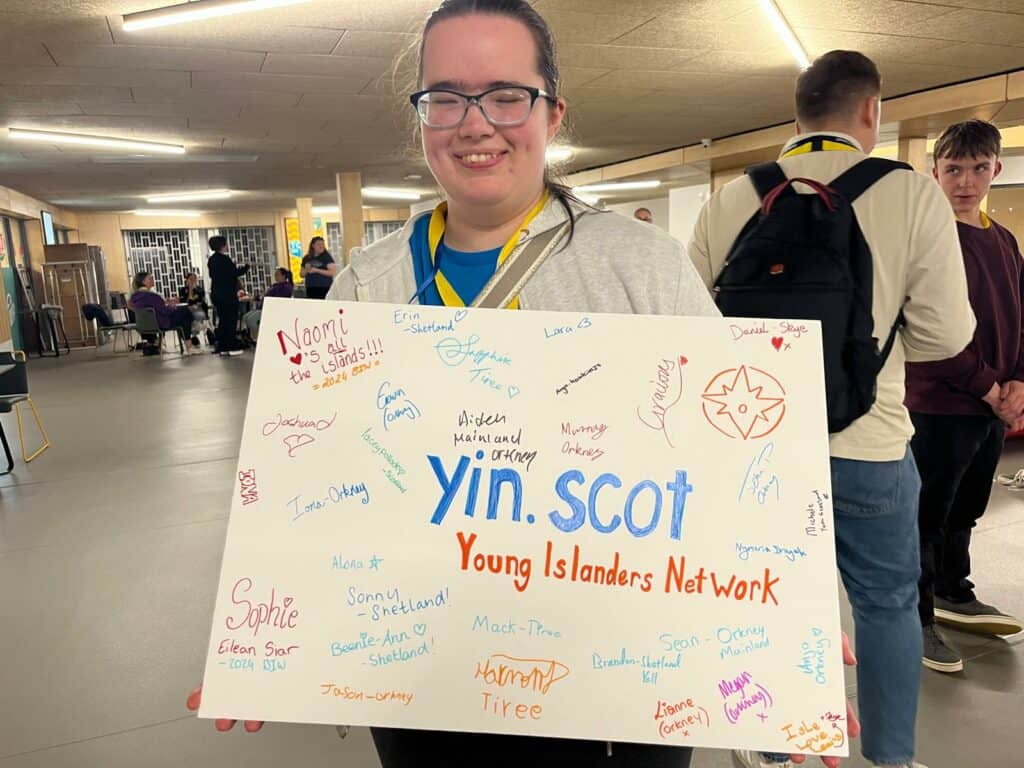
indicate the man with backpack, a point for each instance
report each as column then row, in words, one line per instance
column 869, row 248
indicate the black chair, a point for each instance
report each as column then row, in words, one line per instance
column 106, row 328
column 14, row 392
column 50, row 317
column 146, row 325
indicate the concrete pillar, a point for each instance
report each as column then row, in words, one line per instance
column 914, row 150
column 350, row 201
column 304, row 212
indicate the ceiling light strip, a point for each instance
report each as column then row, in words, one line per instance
column 197, row 11
column 623, row 186
column 184, row 197
column 785, row 32
column 390, row 194
column 54, row 137
column 168, row 213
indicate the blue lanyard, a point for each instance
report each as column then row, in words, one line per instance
column 417, row 298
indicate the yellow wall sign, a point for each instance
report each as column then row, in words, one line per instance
column 296, row 250
column 291, row 228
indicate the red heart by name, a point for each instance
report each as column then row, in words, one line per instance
column 682, row 360
column 777, row 342
column 341, row 311
column 297, row 358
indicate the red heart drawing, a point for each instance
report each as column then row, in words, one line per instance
column 296, row 358
column 777, row 342
column 341, row 311
column 682, row 360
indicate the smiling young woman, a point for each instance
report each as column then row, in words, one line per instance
column 488, row 105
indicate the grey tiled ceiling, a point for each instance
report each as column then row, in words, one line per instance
column 310, row 89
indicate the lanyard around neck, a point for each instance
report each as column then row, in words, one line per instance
column 435, row 233
column 820, row 143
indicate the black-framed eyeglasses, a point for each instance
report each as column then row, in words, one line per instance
column 504, row 106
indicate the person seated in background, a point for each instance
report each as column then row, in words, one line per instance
column 282, row 288
column 193, row 295
column 168, row 314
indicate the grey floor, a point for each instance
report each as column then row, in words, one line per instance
column 110, row 548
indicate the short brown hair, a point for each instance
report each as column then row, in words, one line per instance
column 971, row 138
column 834, row 84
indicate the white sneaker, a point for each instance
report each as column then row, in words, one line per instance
column 750, row 758
column 1014, row 482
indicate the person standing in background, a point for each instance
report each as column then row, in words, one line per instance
column 917, row 271
column 318, row 269
column 224, row 292
column 644, row 214
column 962, row 406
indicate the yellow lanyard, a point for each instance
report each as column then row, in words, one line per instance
column 820, row 143
column 436, row 231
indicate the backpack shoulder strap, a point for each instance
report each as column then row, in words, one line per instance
column 901, row 320
column 853, row 183
column 765, row 177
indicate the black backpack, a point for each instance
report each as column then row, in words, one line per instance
column 803, row 256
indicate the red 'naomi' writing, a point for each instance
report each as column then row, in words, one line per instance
column 255, row 616
column 306, row 336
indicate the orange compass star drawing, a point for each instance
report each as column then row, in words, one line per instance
column 744, row 402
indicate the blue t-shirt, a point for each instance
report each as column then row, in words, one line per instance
column 468, row 272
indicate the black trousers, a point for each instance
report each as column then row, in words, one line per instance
column 957, row 457
column 227, row 324
column 398, row 748
column 182, row 318
column 317, row 293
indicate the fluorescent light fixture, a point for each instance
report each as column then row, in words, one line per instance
column 168, row 212
column 621, row 186
column 186, row 197
column 322, row 209
column 197, row 11
column 390, row 194
column 783, row 30
column 54, row 137
column 558, row 154
column 150, row 159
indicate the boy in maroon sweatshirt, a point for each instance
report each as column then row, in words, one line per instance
column 962, row 406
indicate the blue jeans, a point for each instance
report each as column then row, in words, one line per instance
column 877, row 546
column 878, row 550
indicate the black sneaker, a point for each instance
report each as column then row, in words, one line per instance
column 976, row 616
column 937, row 655
column 195, row 341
